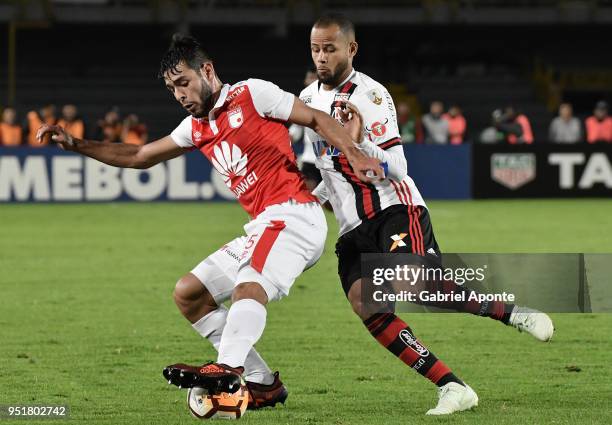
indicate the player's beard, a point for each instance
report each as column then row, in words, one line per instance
column 334, row 78
column 206, row 100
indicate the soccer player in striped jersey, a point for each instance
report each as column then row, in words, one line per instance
column 388, row 215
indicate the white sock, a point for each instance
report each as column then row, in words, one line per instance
column 211, row 327
column 244, row 326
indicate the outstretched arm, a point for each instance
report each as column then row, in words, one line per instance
column 338, row 137
column 116, row 154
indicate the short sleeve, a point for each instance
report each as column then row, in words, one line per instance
column 181, row 135
column 378, row 113
column 270, row 100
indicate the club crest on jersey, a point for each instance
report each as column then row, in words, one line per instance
column 235, row 118
column 306, row 99
column 375, row 97
column 378, row 128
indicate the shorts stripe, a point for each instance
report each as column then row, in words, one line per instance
column 420, row 230
column 399, row 192
column 264, row 245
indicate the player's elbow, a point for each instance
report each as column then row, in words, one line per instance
column 141, row 161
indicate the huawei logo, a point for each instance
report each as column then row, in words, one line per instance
column 229, row 162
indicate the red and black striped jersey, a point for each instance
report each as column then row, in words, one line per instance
column 352, row 199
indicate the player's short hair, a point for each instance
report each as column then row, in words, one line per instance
column 346, row 26
column 183, row 48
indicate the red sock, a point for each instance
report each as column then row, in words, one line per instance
column 396, row 336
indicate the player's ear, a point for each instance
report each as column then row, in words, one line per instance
column 353, row 48
column 207, row 71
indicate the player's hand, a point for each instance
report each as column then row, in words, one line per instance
column 367, row 169
column 353, row 122
column 58, row 135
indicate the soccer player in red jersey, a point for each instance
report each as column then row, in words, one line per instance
column 386, row 216
column 240, row 129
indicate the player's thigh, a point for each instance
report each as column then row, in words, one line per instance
column 218, row 272
column 281, row 245
column 348, row 253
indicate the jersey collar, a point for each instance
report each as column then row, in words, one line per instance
column 220, row 101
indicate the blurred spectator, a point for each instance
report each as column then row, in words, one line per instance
column 35, row 119
column 513, row 119
column 565, row 128
column 599, row 126
column 456, row 125
column 436, row 127
column 110, row 128
column 71, row 121
column 492, row 134
column 133, row 131
column 10, row 131
column 409, row 126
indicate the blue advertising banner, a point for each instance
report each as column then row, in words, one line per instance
column 52, row 175
column 441, row 172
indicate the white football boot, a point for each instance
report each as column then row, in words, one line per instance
column 454, row 397
column 532, row 321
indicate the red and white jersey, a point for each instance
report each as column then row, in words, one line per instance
column 353, row 200
column 247, row 143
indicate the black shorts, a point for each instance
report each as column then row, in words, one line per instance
column 397, row 229
column 311, row 172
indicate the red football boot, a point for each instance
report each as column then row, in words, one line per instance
column 266, row 395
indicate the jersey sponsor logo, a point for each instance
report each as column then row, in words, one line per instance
column 245, row 184
column 235, row 117
column 235, row 94
column 229, row 161
column 409, row 339
column 342, row 97
column 375, row 97
column 322, row 148
column 513, row 170
column 398, row 240
column 378, row 128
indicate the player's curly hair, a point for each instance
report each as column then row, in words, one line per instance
column 183, row 48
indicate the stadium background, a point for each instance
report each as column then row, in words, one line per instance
column 88, row 286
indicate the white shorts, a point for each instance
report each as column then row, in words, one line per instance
column 283, row 241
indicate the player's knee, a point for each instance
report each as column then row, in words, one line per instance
column 191, row 296
column 354, row 297
column 250, row 290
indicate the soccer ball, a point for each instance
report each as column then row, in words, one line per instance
column 218, row 406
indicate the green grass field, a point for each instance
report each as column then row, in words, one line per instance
column 87, row 319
